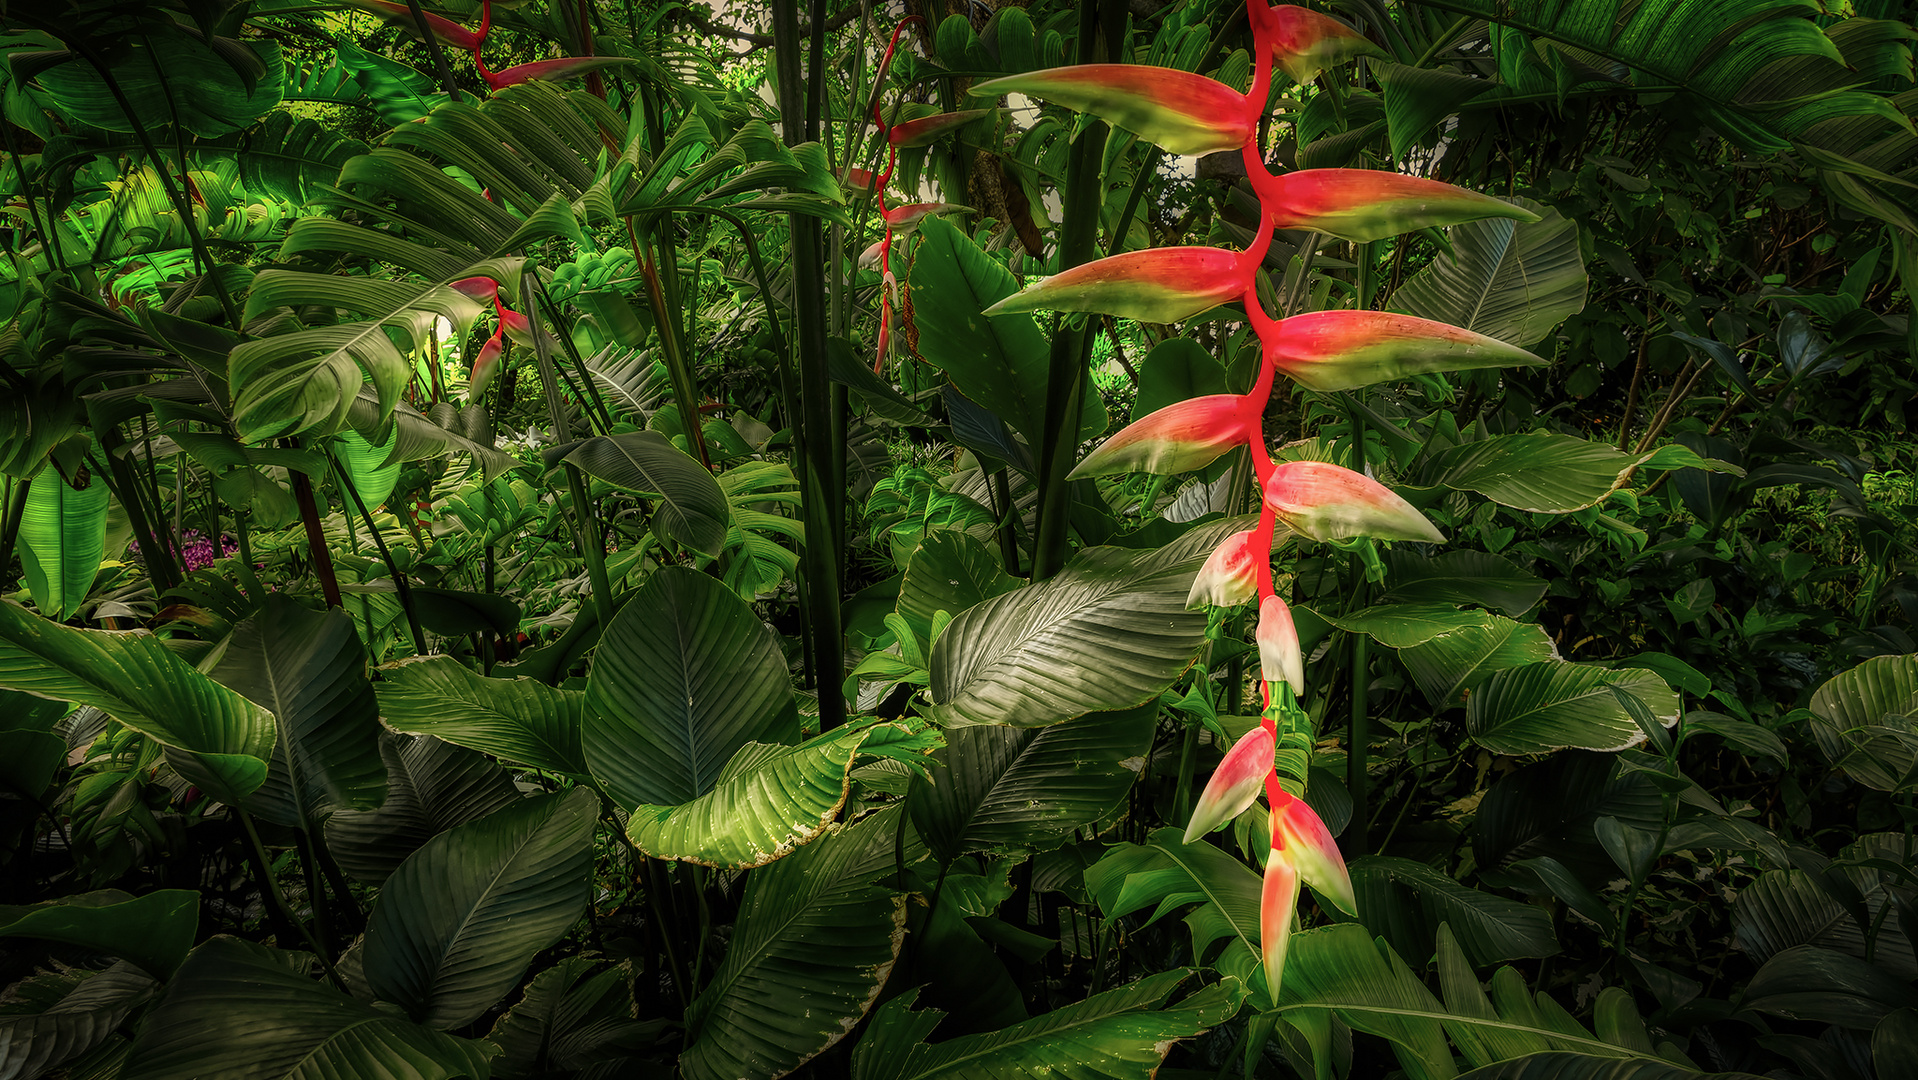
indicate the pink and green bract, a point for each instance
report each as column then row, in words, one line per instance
column 1323, row 351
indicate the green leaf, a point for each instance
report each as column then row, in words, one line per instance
column 453, row 612
column 1894, row 1044
column 684, row 677
column 1823, row 986
column 772, row 1005
column 372, row 470
column 1862, row 720
column 29, row 760
column 1416, row 100
column 1167, row 874
column 1787, row 908
column 308, row 668
column 949, row 571
column 1177, row 369
column 33, row 1044
column 1511, row 281
column 154, row 931
column 1460, row 577
column 457, row 923
column 518, row 719
column 1406, row 902
column 431, row 786
column 767, row 801
column 1550, row 705
column 569, row 1018
column 63, row 535
column 1401, row 626
column 1564, row 1065
column 242, row 1011
column 1022, row 789
column 1121, row 1034
column 136, row 680
column 692, row 509
column 1109, row 632
column 1460, row 659
column 998, row 362
column 1541, row 471
column 176, row 77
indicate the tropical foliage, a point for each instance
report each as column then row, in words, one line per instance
column 1087, row 538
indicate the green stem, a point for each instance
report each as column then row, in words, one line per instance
column 263, row 869
column 345, row 483
column 585, row 527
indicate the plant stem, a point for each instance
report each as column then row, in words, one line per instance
column 276, row 901
column 405, row 590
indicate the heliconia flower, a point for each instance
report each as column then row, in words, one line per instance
column 1280, row 658
column 516, row 325
column 446, row 30
column 1158, row 285
column 485, row 366
column 556, row 70
column 1304, row 42
column 1183, row 436
column 1234, row 784
column 1230, row 576
column 859, row 180
column 1340, row 350
column 1299, row 831
column 1323, row 501
column 1278, row 899
column 1370, row 204
column 479, row 288
column 906, row 218
column 869, row 258
column 1181, row 111
column 927, row 129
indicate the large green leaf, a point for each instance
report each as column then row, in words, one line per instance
column 1547, row 472
column 309, row 669
column 216, row 738
column 153, row 931
column 242, row 1011
column 1109, row 632
column 1022, row 789
column 1863, row 721
column 1806, row 982
column 1565, row 1065
column 1459, row 659
column 1406, row 902
column 519, row 719
column 1550, row 705
column 999, row 362
column 1460, row 577
column 176, row 78
column 684, row 677
column 32, row 1044
column 372, row 470
column 457, row 923
column 767, row 801
column 1122, row 1034
column 950, row 571
column 63, row 534
column 692, row 508
column 1786, row 908
column 1401, row 626
column 569, row 1018
column 773, row 1004
column 1167, row 874
column 431, row 786
column 1511, row 281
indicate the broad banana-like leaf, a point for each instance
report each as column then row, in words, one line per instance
column 431, row 786
column 1862, row 720
column 63, row 533
column 692, row 508
column 518, row 719
column 170, row 78
column 372, row 470
column 33, row 1044
column 1166, row 873
column 1184, row 112
column 1787, row 908
column 1122, row 1034
column 153, row 932
column 1109, row 632
column 1510, row 280
column 684, row 677
column 457, row 923
column 1546, row 472
column 1538, row 708
column 772, row 1005
column 570, row 1017
column 1460, row 658
column 215, row 737
column 1406, row 902
column 249, row 1012
column 308, row 668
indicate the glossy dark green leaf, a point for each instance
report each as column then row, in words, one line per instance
column 1508, row 280
column 32, row 1044
column 153, row 931
column 518, row 719
column 950, row 571
column 1553, row 704
column 63, row 534
column 458, row 611
column 1460, row 577
column 692, row 508
column 571, row 1017
column 1862, row 720
column 1806, row 982
column 1176, row 370
column 1406, row 902
column 176, row 78
column 1460, row 659
column 431, row 786
column 457, row 923
column 684, row 677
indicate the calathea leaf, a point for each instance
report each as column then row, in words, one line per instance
column 431, row 787
column 519, row 719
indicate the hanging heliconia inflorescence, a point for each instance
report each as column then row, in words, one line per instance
column 1327, row 350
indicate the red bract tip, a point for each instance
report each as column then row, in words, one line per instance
column 1183, row 112
column 1234, row 784
column 515, row 325
column 1370, row 204
column 479, row 288
column 1298, row 830
column 1277, row 901
column 446, row 30
column 1323, row 501
column 927, row 129
column 1340, row 350
column 1187, row 435
column 904, row 219
column 1304, row 42
column 1155, row 285
column 1280, row 658
column 485, row 366
column 1231, row 575
column 558, row 70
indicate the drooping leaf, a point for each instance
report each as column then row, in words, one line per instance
column 950, row 571
column 245, row 1011
column 33, row 1044
column 518, row 719
column 1550, row 705
column 692, row 508
column 1167, row 874
column 309, row 669
column 570, row 1018
column 1862, row 720
column 457, row 923
column 1460, row 577
column 178, row 78
column 1542, row 471
column 218, row 738
column 772, row 1005
column 63, row 534
column 1787, row 908
column 1109, row 632
column 1505, row 279
column 1406, row 902
column 431, row 786
column 1806, row 982
column 1460, row 659
column 684, row 677
column 153, row 932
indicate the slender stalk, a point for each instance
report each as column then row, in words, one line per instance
column 316, row 536
column 585, row 527
column 270, row 889
column 440, row 66
column 345, row 483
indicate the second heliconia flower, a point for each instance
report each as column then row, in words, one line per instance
column 1158, row 285
column 1183, row 112
column 1323, row 501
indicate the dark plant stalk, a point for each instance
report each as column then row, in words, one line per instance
column 1358, row 832
column 316, row 893
column 15, row 510
column 684, row 387
column 119, row 478
column 440, row 66
column 345, row 484
column 585, row 527
column 315, row 536
column 276, row 901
